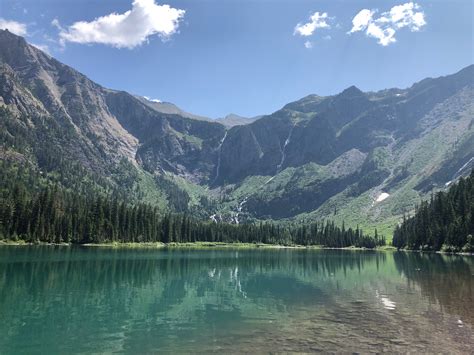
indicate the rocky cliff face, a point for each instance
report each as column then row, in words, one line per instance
column 317, row 129
column 316, row 157
column 112, row 124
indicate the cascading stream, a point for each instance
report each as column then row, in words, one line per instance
column 279, row 166
column 283, row 155
column 219, row 148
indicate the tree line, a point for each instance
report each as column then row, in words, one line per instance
column 49, row 213
column 446, row 222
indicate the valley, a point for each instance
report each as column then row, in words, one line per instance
column 362, row 158
column 236, row 177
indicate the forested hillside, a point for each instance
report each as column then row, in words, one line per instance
column 34, row 210
column 445, row 223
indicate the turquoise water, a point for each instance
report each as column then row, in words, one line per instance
column 83, row 300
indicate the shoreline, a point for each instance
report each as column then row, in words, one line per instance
column 190, row 245
column 217, row 245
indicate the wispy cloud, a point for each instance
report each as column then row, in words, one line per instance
column 317, row 20
column 15, row 27
column 308, row 44
column 55, row 23
column 385, row 27
column 127, row 30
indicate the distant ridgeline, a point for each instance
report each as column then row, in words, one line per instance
column 445, row 223
column 35, row 210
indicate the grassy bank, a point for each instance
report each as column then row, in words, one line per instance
column 195, row 245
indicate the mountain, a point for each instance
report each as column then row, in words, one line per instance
column 334, row 157
column 362, row 157
column 170, row 108
column 55, row 111
column 232, row 120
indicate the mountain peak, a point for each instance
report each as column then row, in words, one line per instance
column 233, row 119
column 7, row 33
column 7, row 37
column 232, row 115
column 351, row 91
column 16, row 52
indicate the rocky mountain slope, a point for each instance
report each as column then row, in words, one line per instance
column 110, row 133
column 335, row 156
column 362, row 157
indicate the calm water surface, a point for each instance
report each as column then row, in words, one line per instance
column 76, row 300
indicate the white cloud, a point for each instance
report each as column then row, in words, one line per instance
column 127, row 30
column 405, row 15
column 317, row 20
column 362, row 20
column 308, row 44
column 15, row 27
column 385, row 27
column 384, row 35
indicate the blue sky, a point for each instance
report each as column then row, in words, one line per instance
column 214, row 57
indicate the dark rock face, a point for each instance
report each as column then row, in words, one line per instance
column 168, row 142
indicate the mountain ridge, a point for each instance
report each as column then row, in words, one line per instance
column 317, row 157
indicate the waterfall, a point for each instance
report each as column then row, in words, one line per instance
column 239, row 210
column 219, row 148
column 283, row 155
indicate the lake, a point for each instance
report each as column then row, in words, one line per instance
column 78, row 299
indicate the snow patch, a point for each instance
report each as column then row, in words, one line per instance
column 382, row 197
column 266, row 182
column 461, row 169
column 152, row 100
